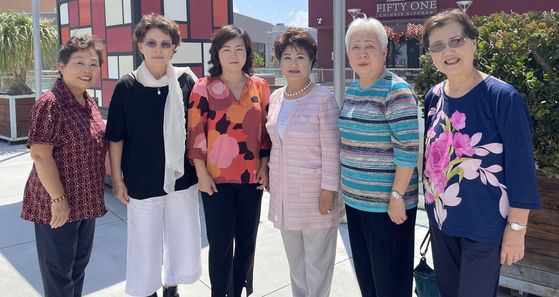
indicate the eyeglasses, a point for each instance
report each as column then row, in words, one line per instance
column 453, row 43
column 165, row 44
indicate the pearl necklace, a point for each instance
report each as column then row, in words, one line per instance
column 300, row 91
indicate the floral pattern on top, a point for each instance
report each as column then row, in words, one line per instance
column 452, row 153
column 229, row 135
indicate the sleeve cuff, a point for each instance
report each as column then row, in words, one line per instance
column 264, row 153
column 32, row 142
column 192, row 155
column 330, row 186
column 405, row 164
column 534, row 206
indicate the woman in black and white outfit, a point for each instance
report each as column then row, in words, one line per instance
column 146, row 130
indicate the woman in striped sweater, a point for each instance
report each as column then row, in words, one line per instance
column 379, row 135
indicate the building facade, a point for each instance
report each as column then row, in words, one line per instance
column 25, row 6
column 397, row 14
column 113, row 21
column 264, row 34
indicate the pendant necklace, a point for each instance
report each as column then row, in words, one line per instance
column 300, row 91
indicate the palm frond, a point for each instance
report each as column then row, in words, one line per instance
column 16, row 42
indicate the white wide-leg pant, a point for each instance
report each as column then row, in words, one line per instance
column 311, row 255
column 163, row 231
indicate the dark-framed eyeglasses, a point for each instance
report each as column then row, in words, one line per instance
column 164, row 44
column 438, row 47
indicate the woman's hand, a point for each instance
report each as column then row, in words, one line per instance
column 262, row 177
column 512, row 246
column 326, row 202
column 60, row 213
column 206, row 184
column 121, row 191
column 397, row 210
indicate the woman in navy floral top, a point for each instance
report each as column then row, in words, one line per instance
column 479, row 175
column 65, row 190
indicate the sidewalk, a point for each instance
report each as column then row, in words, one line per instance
column 105, row 275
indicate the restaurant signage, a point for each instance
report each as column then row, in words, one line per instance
column 407, row 8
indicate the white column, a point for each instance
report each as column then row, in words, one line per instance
column 339, row 52
column 37, row 49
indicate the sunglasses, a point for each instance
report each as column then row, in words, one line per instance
column 453, row 43
column 165, row 44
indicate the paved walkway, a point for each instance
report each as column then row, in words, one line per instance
column 105, row 275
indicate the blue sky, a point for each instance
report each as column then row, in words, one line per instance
column 290, row 12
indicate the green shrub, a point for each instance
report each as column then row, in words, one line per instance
column 258, row 60
column 522, row 50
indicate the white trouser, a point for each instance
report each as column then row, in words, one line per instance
column 163, row 230
column 311, row 255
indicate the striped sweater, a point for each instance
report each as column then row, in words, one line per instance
column 379, row 130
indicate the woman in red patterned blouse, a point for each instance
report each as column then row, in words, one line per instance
column 64, row 193
column 229, row 145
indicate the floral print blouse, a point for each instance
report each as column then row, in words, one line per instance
column 478, row 160
column 229, row 135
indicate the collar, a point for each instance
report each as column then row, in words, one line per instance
column 64, row 96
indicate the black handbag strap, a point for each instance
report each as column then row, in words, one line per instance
column 426, row 239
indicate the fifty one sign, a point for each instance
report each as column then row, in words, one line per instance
column 408, row 8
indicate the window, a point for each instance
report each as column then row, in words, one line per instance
column 260, row 48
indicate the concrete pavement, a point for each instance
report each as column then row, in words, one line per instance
column 105, row 274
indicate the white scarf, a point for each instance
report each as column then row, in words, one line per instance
column 174, row 131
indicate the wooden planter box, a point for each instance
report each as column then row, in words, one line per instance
column 14, row 116
column 538, row 272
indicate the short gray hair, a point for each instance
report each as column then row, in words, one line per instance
column 364, row 24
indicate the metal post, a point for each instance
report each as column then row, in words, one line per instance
column 339, row 52
column 37, row 49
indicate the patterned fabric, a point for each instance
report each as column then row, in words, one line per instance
column 379, row 130
column 478, row 160
column 77, row 134
column 229, row 136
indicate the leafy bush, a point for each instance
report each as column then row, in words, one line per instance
column 258, row 60
column 522, row 50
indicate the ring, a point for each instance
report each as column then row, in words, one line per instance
column 401, row 221
column 328, row 211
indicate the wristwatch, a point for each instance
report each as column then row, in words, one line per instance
column 396, row 195
column 516, row 226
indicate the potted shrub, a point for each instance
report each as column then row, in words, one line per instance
column 523, row 50
column 16, row 58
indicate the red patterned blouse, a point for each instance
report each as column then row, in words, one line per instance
column 229, row 136
column 77, row 134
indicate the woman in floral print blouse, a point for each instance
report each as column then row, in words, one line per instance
column 65, row 190
column 479, row 176
column 229, row 145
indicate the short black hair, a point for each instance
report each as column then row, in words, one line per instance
column 443, row 18
column 220, row 38
column 299, row 39
column 78, row 43
column 163, row 23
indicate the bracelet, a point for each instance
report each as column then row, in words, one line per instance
column 59, row 198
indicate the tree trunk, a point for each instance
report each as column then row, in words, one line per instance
column 19, row 86
column 540, row 60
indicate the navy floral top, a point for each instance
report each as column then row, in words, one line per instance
column 478, row 160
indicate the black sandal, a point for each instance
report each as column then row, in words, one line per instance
column 171, row 291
